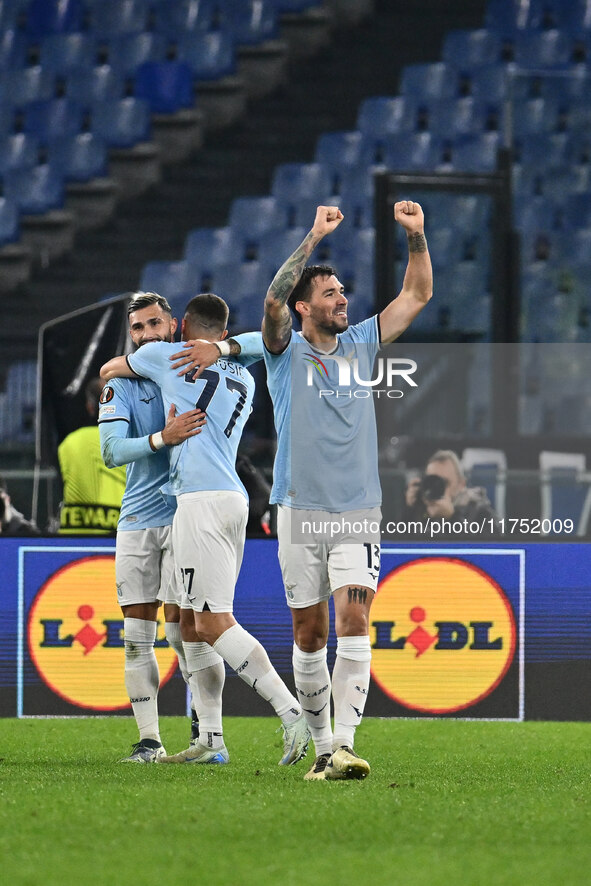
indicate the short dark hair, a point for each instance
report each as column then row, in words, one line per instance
column 209, row 311
column 303, row 288
column 145, row 299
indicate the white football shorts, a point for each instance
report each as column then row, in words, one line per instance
column 208, row 534
column 313, row 572
column 144, row 565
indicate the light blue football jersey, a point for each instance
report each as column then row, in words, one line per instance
column 327, row 453
column 224, row 392
column 130, row 410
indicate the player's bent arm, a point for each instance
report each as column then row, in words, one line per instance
column 117, row 448
column 277, row 322
column 417, row 286
column 118, row 367
column 198, row 354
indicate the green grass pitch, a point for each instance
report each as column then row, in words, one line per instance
column 447, row 802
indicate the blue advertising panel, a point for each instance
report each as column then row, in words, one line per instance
column 497, row 631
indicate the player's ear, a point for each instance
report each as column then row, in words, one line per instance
column 174, row 325
column 224, row 335
column 302, row 308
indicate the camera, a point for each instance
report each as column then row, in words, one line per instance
column 432, row 487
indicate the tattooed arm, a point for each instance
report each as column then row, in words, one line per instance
column 417, row 286
column 277, row 317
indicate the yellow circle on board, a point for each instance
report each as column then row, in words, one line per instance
column 75, row 631
column 443, row 635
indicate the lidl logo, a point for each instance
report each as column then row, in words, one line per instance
column 443, row 635
column 75, row 636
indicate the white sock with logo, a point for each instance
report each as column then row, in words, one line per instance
column 207, row 675
column 246, row 656
column 350, row 685
column 142, row 679
column 312, row 681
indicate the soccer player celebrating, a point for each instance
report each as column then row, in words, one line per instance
column 133, row 433
column 210, row 521
column 326, row 464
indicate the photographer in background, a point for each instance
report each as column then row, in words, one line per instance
column 442, row 494
column 12, row 522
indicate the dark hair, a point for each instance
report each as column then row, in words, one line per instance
column 145, row 299
column 303, row 288
column 207, row 310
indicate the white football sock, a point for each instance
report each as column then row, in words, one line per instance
column 312, row 681
column 142, row 679
column 350, row 685
column 172, row 632
column 246, row 656
column 207, row 675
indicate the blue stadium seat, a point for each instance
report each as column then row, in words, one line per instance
column 61, row 53
column 384, row 115
column 171, row 278
column 429, row 80
column 18, row 151
column 13, row 49
column 176, row 17
column 79, row 157
column 209, row 246
column 459, row 116
column 56, row 117
column 354, row 250
column 123, row 123
column 36, row 190
column 578, row 213
column 256, row 216
column 356, row 198
column 476, row 153
column 237, row 280
column 54, row 17
column 337, row 152
column 469, row 49
column 492, row 83
column 9, row 221
column 276, row 246
column 534, row 117
column 542, row 49
column 509, row 16
column 296, row 5
column 210, row 55
column 126, row 52
column 251, row 22
column 294, row 181
column 20, row 86
column 91, row 84
column 416, row 151
column 21, row 382
column 548, row 149
column 167, row 86
column 110, row 18
column 338, row 149
column 567, row 85
column 12, row 14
